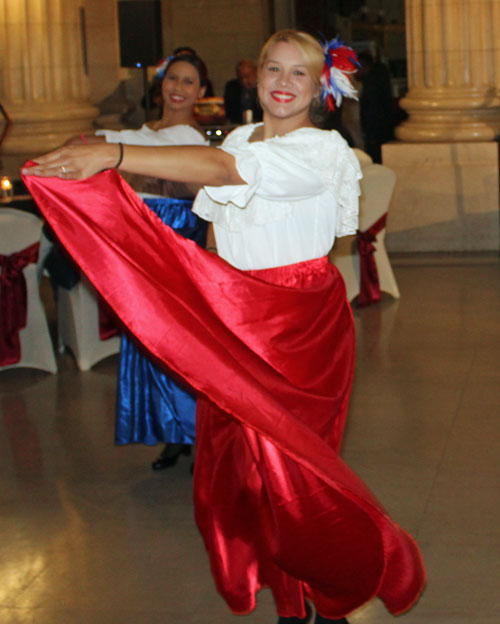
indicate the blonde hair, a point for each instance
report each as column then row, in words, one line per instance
column 309, row 47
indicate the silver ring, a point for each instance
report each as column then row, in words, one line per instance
column 63, row 169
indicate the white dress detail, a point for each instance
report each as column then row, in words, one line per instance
column 301, row 192
column 182, row 134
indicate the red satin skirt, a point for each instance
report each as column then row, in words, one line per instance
column 271, row 355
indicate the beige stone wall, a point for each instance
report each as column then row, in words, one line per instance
column 104, row 72
column 116, row 90
column 221, row 31
column 446, row 197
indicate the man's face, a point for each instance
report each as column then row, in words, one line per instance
column 247, row 75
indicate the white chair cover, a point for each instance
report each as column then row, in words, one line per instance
column 377, row 187
column 364, row 158
column 19, row 230
column 45, row 247
column 78, row 325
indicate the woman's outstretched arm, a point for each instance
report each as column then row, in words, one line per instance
column 191, row 164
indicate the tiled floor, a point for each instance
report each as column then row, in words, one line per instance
column 90, row 535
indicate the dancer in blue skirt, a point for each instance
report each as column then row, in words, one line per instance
column 151, row 406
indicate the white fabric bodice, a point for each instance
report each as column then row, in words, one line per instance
column 181, row 134
column 301, row 192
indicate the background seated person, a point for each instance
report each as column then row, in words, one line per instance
column 240, row 94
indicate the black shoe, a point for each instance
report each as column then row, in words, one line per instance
column 297, row 620
column 170, row 455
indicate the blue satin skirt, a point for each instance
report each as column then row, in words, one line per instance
column 151, row 407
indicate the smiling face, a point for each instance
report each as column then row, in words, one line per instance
column 286, row 87
column 181, row 86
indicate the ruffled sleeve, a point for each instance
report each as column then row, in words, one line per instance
column 274, row 169
column 345, row 187
column 281, row 171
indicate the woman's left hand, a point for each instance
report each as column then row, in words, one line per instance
column 75, row 162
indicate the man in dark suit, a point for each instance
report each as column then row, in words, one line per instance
column 240, row 95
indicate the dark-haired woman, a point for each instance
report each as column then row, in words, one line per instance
column 184, row 79
column 151, row 407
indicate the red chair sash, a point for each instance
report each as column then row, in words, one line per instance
column 108, row 322
column 369, row 286
column 14, row 302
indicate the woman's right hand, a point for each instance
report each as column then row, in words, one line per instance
column 75, row 162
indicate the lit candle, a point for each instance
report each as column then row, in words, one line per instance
column 6, row 187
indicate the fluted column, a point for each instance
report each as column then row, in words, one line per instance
column 453, row 55
column 496, row 51
column 43, row 86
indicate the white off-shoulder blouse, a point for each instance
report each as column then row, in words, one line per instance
column 301, row 192
column 181, row 134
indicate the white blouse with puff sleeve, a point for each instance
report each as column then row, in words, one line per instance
column 301, row 192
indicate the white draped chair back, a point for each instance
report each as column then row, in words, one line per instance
column 78, row 325
column 377, row 187
column 18, row 231
column 364, row 158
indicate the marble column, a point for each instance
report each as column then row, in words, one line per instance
column 43, row 85
column 453, row 55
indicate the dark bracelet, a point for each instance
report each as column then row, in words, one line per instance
column 213, row 249
column 120, row 157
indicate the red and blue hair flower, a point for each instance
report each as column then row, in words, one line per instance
column 340, row 62
column 162, row 66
